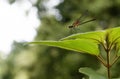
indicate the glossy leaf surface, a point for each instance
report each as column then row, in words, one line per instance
column 78, row 45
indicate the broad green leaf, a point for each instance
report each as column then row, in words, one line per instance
column 97, row 36
column 114, row 37
column 91, row 73
column 118, row 53
column 113, row 34
column 87, row 42
column 79, row 45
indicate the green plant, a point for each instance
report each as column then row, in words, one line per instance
column 92, row 43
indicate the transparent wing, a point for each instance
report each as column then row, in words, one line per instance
column 83, row 16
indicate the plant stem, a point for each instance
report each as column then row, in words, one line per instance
column 102, row 60
column 115, row 59
column 108, row 64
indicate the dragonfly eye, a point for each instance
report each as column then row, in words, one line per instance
column 70, row 26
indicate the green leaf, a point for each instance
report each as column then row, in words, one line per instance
column 79, row 45
column 118, row 53
column 91, row 73
column 114, row 38
column 87, row 42
column 113, row 34
column 97, row 36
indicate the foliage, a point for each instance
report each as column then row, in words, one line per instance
column 89, row 42
column 91, row 73
column 41, row 62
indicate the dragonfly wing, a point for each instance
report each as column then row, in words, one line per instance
column 87, row 21
column 83, row 16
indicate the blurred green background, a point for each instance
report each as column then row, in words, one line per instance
column 42, row 62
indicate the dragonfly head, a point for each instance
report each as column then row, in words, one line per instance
column 70, row 26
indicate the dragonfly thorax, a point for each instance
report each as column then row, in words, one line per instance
column 70, row 26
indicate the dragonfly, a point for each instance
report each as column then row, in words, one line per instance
column 80, row 21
